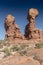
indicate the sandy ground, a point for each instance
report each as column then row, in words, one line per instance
column 24, row 60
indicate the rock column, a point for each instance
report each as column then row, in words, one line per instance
column 30, row 31
column 12, row 29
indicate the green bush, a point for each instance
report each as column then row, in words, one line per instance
column 39, row 45
column 22, row 46
column 21, row 49
column 22, row 52
column 1, row 44
column 6, row 51
column 14, row 48
column 6, row 42
column 35, row 57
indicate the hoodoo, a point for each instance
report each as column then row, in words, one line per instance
column 12, row 29
column 31, row 32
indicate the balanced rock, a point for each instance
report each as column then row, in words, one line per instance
column 31, row 32
column 12, row 29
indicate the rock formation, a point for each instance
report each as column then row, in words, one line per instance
column 31, row 32
column 12, row 29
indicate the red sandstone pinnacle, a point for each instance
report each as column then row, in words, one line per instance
column 12, row 29
column 31, row 31
column 33, row 13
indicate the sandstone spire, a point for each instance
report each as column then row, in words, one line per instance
column 12, row 29
column 31, row 31
column 32, row 14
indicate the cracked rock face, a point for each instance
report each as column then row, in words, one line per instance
column 31, row 32
column 12, row 29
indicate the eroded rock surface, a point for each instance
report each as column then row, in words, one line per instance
column 31, row 32
column 12, row 29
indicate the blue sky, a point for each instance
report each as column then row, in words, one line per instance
column 19, row 9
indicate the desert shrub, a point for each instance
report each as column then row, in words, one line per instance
column 22, row 52
column 39, row 45
column 17, row 47
column 21, row 49
column 23, row 46
column 6, row 42
column 14, row 48
column 1, row 44
column 6, row 51
column 36, row 57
